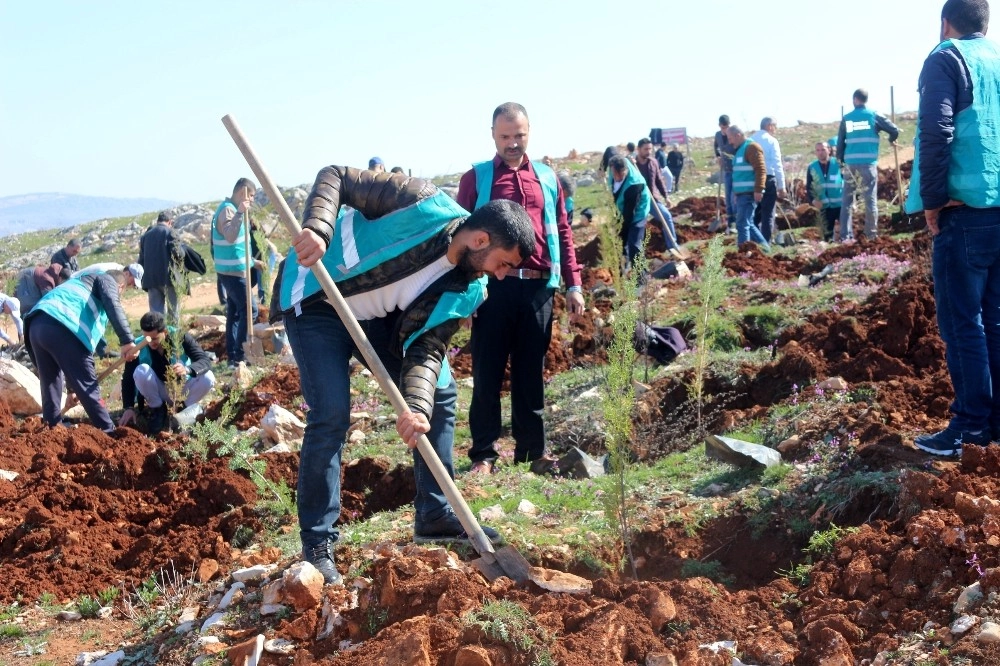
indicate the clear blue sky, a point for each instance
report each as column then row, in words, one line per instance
column 124, row 99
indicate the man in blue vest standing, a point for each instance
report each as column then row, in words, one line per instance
column 411, row 265
column 749, row 179
column 62, row 333
column 857, row 152
column 229, row 229
column 516, row 322
column 956, row 183
column 824, row 187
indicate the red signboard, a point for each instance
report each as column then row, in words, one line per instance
column 668, row 135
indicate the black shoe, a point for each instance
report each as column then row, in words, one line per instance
column 949, row 441
column 158, row 420
column 448, row 530
column 110, row 353
column 321, row 557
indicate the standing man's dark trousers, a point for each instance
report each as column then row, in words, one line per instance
column 676, row 173
column 57, row 354
column 763, row 217
column 515, row 322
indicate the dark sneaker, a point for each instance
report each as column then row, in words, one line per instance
column 158, row 420
column 448, row 530
column 547, row 464
column 949, row 441
column 320, row 557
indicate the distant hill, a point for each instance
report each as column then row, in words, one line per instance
column 53, row 210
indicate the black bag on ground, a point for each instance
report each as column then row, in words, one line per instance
column 663, row 343
column 193, row 260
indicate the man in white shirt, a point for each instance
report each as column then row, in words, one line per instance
column 775, row 185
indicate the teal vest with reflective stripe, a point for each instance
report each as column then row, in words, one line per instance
column 228, row 257
column 642, row 203
column 861, row 142
column 975, row 151
column 550, row 194
column 451, row 305
column 743, row 178
column 74, row 306
column 359, row 245
column 830, row 189
column 146, row 357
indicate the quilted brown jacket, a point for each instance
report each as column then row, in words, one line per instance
column 375, row 195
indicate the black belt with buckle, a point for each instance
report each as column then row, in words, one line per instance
column 528, row 274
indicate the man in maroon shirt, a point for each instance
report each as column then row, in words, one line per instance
column 515, row 322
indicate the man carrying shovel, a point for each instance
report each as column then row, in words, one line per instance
column 410, row 264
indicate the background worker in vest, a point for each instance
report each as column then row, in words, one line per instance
column 824, row 186
column 134, row 274
column 516, row 320
column 749, row 178
column 147, row 372
column 857, row 152
column 62, row 334
column 632, row 199
column 229, row 231
column 650, row 171
column 956, row 182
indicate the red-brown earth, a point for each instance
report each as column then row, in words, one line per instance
column 88, row 511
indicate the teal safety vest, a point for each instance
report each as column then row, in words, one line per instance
column 743, row 177
column 861, row 137
column 359, row 245
column 229, row 257
column 550, row 194
column 74, row 306
column 975, row 152
column 829, row 189
column 643, row 202
column 146, row 357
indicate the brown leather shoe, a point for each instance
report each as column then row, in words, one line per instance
column 482, row 467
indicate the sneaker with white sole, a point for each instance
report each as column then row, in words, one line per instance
column 949, row 441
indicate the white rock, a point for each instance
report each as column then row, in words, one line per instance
column 184, row 627
column 279, row 646
column 68, row 616
column 104, row 612
column 833, row 384
column 112, row 659
column 227, row 598
column 215, row 619
column 359, row 416
column 963, row 624
column 989, row 633
column 526, row 508
column 969, row 597
column 188, row 613
column 558, row 581
column 280, row 426
column 88, row 658
column 20, row 388
column 8, row 476
column 356, row 437
column 210, row 321
column 272, row 609
column 491, row 513
column 253, row 573
column 590, row 394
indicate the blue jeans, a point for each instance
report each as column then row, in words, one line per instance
column 632, row 236
column 746, row 230
column 323, row 348
column 236, row 315
column 865, row 178
column 966, row 269
column 666, row 225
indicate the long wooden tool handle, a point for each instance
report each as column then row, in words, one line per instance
column 247, row 244
column 663, row 221
column 462, row 510
column 71, row 399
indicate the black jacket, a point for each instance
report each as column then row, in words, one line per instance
column 159, row 247
column 160, row 360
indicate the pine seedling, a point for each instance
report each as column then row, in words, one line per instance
column 711, row 291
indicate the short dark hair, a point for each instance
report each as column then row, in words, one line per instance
column 644, row 141
column 862, row 95
column 630, row 146
column 507, row 224
column 723, row 119
column 244, row 182
column 609, row 152
column 618, row 163
column 73, row 242
column 164, row 216
column 509, row 110
column 396, row 170
column 153, row 321
column 967, row 16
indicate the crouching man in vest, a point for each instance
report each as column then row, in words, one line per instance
column 147, row 373
column 63, row 330
column 411, row 264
